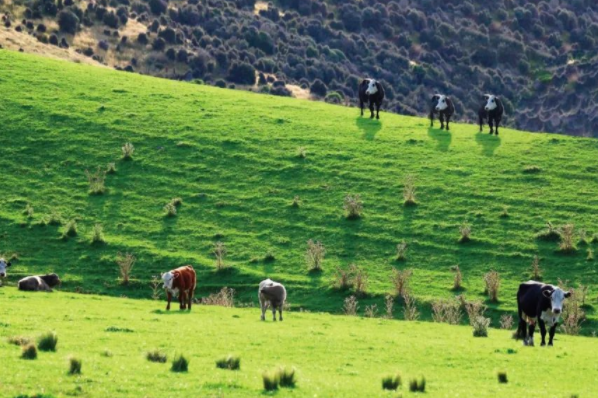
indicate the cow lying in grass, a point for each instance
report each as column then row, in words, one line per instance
column 180, row 282
column 273, row 294
column 40, row 283
column 3, row 266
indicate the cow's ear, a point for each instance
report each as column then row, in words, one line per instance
column 177, row 274
column 567, row 294
column 365, row 81
column 8, row 264
column 434, row 97
column 485, row 96
column 547, row 293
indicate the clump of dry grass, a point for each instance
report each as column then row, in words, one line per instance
column 230, row 362
column 156, row 288
column 370, row 311
column 389, row 303
column 19, row 340
column 29, row 211
column 409, row 191
column 96, row 181
column 400, row 280
column 465, row 232
column 156, row 356
column 391, row 383
column 536, row 273
column 47, row 341
column 296, row 202
column 506, row 321
column 97, row 236
column 125, row 263
column 224, row 298
column 127, row 150
column 170, row 210
column 401, row 251
column 410, row 312
column 360, row 280
column 351, row 306
column 29, row 351
column 314, row 256
column 573, row 315
column 480, row 326
column 446, row 311
column 111, row 168
column 492, row 281
column 551, row 233
column 220, row 255
column 301, row 152
column 353, row 206
column 567, row 244
column 458, row 279
column 70, row 229
column 342, row 280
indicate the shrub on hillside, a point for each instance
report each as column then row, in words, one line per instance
column 180, row 364
column 492, row 282
column 75, row 365
column 391, row 383
column 230, row 362
column 110, row 19
column 47, row 341
column 318, row 88
column 401, row 251
column 351, row 306
column 506, row 321
column 536, row 272
column 409, row 191
column 220, row 254
column 29, row 351
column 97, row 236
column 96, row 181
column 567, row 244
column 242, row 73
column 70, row 229
column 156, row 356
column 353, row 206
column 410, row 311
column 224, row 298
column 458, row 279
column 68, row 21
column 446, row 311
column 157, row 7
column 417, row 385
column 125, row 263
column 465, row 232
column 271, row 380
column 400, row 280
column 314, row 256
column 127, row 150
column 480, row 326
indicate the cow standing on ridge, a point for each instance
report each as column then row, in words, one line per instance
column 181, row 282
column 539, row 301
column 273, row 294
column 492, row 109
column 372, row 92
column 443, row 106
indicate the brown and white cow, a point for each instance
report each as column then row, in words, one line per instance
column 180, row 282
column 40, row 283
column 273, row 294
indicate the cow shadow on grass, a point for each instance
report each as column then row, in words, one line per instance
column 369, row 127
column 489, row 143
column 443, row 138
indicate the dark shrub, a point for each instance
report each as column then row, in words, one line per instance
column 220, row 83
column 75, row 366
column 47, row 342
column 68, row 21
column 110, row 19
column 391, row 382
column 171, row 54
column 142, row 39
column 159, row 44
column 318, row 88
column 242, row 73
column 41, row 28
column 102, row 44
column 182, row 55
column 168, row 34
column 53, row 39
column 29, row 352
column 180, row 364
column 88, row 52
column 157, row 7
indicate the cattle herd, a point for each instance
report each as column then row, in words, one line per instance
column 371, row 92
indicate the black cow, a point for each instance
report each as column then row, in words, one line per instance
column 492, row 110
column 539, row 301
column 372, row 92
column 443, row 106
column 41, row 283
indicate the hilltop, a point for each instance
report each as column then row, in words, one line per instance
column 232, row 157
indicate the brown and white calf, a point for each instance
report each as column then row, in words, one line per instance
column 273, row 294
column 180, row 282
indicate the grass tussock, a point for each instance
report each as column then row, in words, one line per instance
column 359, row 280
column 458, row 278
column 505, row 212
column 29, row 211
column 301, row 153
column 96, row 181
column 156, row 287
column 54, row 218
column 107, row 353
column 480, row 326
column 391, row 382
column 389, row 303
column 271, row 380
column 410, row 311
column 224, row 298
column 371, row 311
column 400, row 280
column 156, row 356
column 127, row 151
column 447, row 311
column 492, row 283
column 416, row 385
column 18, row 340
column 47, row 341
column 70, row 230
column 353, row 206
column 351, row 306
column 550, row 233
column 111, row 168
column 180, row 364
column 296, row 202
column 465, row 232
column 75, row 365
column 409, row 191
column 506, row 322
column 29, row 351
column 401, row 251
column 536, row 271
column 125, row 263
column 590, row 256
column 532, row 169
column 97, row 235
column 170, row 210
column 567, row 244
column 220, row 252
column 502, row 377
column 287, row 377
column 230, row 362
column 314, row 255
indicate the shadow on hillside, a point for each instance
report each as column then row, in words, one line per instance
column 443, row 138
column 369, row 127
column 489, row 143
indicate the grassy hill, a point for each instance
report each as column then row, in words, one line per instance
column 232, row 158
column 334, row 356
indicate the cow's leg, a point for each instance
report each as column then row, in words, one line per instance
column 481, row 120
column 263, row 306
column 491, row 125
column 551, row 334
column 378, row 109
column 280, row 312
column 361, row 106
column 441, row 118
column 496, row 122
column 169, row 298
column 522, row 330
column 274, row 307
column 182, row 299
column 371, row 109
column 432, row 118
column 542, row 331
column 530, row 339
column 448, row 119
column 189, row 299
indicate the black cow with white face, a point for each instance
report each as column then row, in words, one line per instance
column 372, row 92
column 3, row 266
column 539, row 301
column 443, row 106
column 491, row 109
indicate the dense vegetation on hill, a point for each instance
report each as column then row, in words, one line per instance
column 538, row 55
column 334, row 356
column 237, row 160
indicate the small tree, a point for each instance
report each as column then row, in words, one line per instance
column 125, row 263
column 68, row 21
column 535, row 268
column 410, row 311
column 314, row 256
column 400, row 280
column 351, row 306
column 401, row 251
column 128, row 149
column 567, row 244
column 458, row 280
column 96, row 181
column 409, row 191
column 492, row 281
column 353, row 206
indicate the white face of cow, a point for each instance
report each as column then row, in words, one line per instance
column 168, row 278
column 441, row 104
column 3, row 266
column 491, row 104
column 372, row 88
column 557, row 297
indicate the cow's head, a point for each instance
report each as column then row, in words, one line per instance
column 51, row 280
column 3, row 266
column 441, row 102
column 168, row 278
column 490, row 102
column 372, row 87
column 556, row 296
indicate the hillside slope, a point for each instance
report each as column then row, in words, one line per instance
column 334, row 356
column 232, row 158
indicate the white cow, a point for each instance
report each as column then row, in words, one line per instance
column 273, row 294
